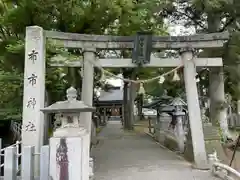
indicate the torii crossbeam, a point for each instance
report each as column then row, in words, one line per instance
column 125, row 62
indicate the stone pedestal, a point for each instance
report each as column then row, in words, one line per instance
column 156, row 129
column 162, row 127
column 180, row 134
column 69, row 158
column 69, row 146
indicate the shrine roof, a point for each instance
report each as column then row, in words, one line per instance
column 111, row 95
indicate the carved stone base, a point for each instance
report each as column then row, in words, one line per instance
column 159, row 136
column 69, row 158
column 160, row 128
column 69, row 132
column 170, row 142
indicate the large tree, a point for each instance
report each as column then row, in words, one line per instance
column 209, row 17
column 119, row 17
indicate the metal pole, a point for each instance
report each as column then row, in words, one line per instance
column 235, row 149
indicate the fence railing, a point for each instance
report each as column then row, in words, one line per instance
column 17, row 145
column 221, row 170
column 27, row 170
column 224, row 171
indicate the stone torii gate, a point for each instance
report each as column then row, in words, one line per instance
column 34, row 77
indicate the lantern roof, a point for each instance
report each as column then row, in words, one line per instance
column 178, row 102
column 71, row 105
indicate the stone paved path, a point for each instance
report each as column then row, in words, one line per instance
column 128, row 156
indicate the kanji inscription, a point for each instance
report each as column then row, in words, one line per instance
column 30, row 126
column 31, row 103
column 33, row 56
column 32, row 79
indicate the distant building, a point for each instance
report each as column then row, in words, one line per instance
column 110, row 102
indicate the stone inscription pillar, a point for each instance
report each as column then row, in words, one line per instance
column 34, row 88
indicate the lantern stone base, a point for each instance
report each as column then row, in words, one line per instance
column 160, row 129
column 69, row 156
column 160, row 136
column 171, row 142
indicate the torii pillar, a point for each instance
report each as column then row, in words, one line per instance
column 87, row 85
column 196, row 126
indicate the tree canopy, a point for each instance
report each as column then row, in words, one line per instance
column 119, row 17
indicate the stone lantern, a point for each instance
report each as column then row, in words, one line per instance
column 163, row 122
column 69, row 152
column 178, row 113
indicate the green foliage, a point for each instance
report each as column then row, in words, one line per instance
column 213, row 16
column 11, row 84
column 121, row 17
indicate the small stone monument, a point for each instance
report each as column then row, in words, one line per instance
column 69, row 152
column 163, row 123
column 180, row 133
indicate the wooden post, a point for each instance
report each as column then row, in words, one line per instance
column 132, row 93
column 125, row 105
column 34, row 89
column 196, row 126
column 104, row 115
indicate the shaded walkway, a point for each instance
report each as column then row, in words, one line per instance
column 131, row 156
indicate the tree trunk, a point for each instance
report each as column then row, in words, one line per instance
column 73, row 77
column 125, row 107
column 238, row 94
column 216, row 89
column 140, row 104
column 132, row 94
column 218, row 115
column 48, row 122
